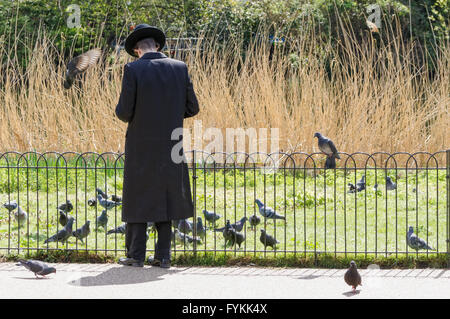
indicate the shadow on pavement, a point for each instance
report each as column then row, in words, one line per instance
column 123, row 275
column 351, row 293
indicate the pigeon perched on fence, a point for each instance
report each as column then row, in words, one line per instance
column 20, row 215
column 211, row 217
column 390, row 185
column 268, row 212
column 268, row 240
column 106, row 203
column 254, row 220
column 80, row 64
column 118, row 230
column 10, row 206
column 66, row 207
column 415, row 242
column 352, row 276
column 102, row 220
column 83, row 231
column 64, row 234
column 327, row 146
column 37, row 267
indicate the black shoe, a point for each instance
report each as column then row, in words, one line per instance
column 131, row 262
column 163, row 262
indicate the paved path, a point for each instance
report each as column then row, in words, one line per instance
column 115, row 281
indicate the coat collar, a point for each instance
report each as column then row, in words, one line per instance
column 153, row 55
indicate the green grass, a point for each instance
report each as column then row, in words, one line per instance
column 320, row 215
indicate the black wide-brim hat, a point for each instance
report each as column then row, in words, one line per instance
column 142, row 31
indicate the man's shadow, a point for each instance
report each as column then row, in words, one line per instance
column 123, row 275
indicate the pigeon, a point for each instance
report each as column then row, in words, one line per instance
column 238, row 226
column 352, row 277
column 10, row 206
column 119, row 230
column 102, row 220
column 21, row 216
column 185, row 226
column 268, row 240
column 64, row 234
column 390, row 185
column 106, row 203
column 327, row 146
column 375, row 187
column 201, row 230
column 226, row 232
column 66, row 207
column 80, row 64
column 268, row 212
column 330, row 162
column 254, row 220
column 361, row 185
column 63, row 218
column 37, row 267
column 83, row 231
column 415, row 242
column 352, row 188
column 102, row 193
column 211, row 217
column 92, row 202
column 235, row 237
column 116, row 198
column 183, row 238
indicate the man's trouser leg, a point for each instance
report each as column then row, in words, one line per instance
column 162, row 249
column 136, row 240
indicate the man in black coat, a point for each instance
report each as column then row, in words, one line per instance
column 157, row 94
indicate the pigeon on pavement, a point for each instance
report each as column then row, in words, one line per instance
column 327, row 146
column 211, row 216
column 268, row 212
column 390, row 185
column 64, row 234
column 415, row 242
column 80, row 64
column 37, row 267
column 352, row 277
column 268, row 240
column 83, row 231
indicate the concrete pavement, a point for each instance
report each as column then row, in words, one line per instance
column 115, row 281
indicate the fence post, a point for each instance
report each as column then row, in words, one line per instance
column 194, row 195
column 448, row 207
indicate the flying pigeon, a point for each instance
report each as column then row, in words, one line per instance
column 106, row 203
column 21, row 216
column 268, row 240
column 119, row 230
column 102, row 220
column 10, row 206
column 64, row 234
column 330, row 162
column 37, row 267
column 83, row 231
column 352, row 277
column 415, row 242
column 79, row 64
column 254, row 220
column 66, row 207
column 327, row 146
column 211, row 217
column 268, row 212
column 390, row 185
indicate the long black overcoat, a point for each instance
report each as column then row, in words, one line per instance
column 157, row 94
